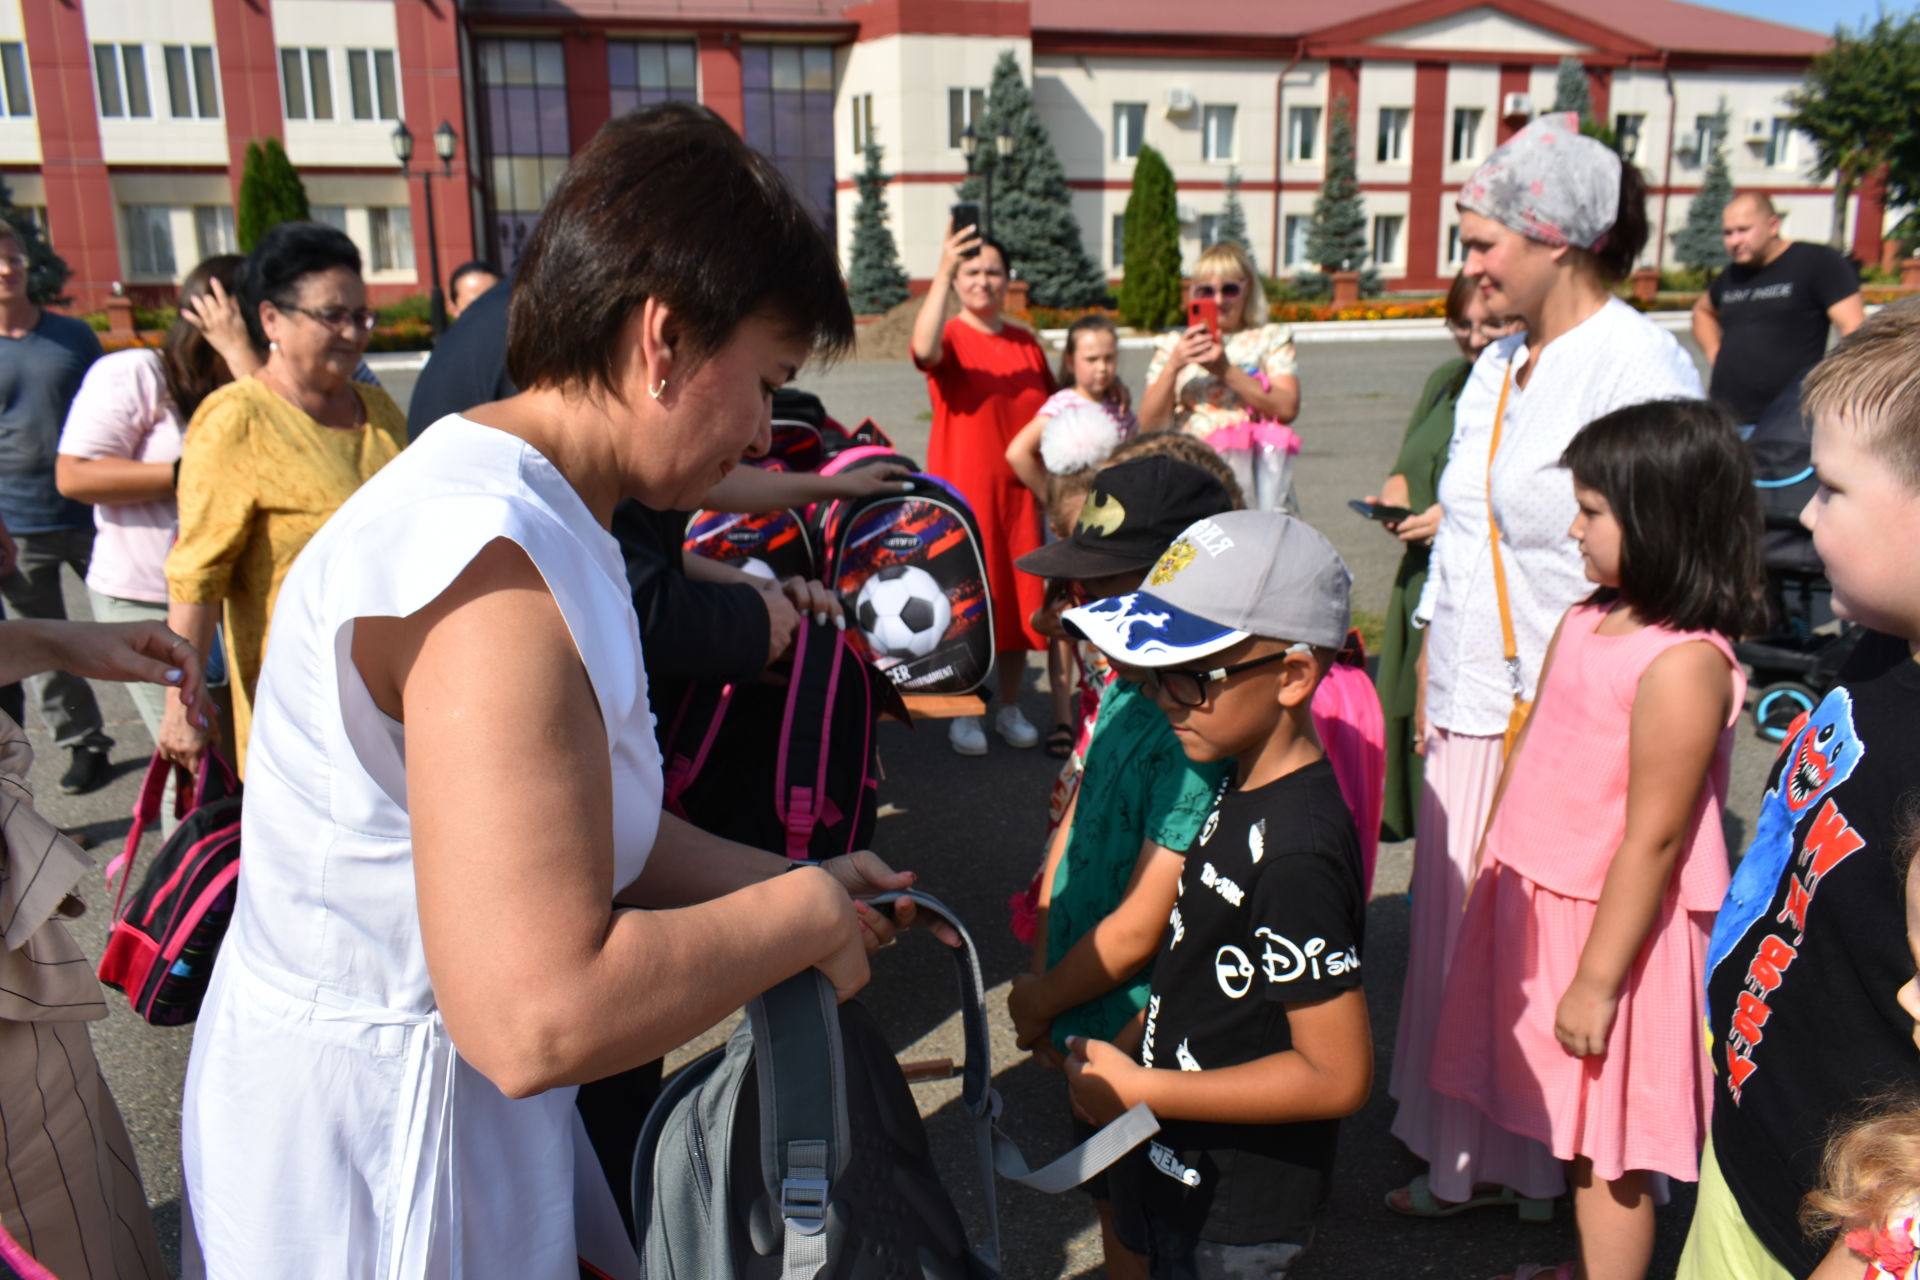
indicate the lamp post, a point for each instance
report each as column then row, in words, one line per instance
column 1002, row 148
column 445, row 141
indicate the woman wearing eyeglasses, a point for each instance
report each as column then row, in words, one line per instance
column 269, row 458
column 1199, row 383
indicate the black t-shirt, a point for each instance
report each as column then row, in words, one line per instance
column 1270, row 913
column 1773, row 323
column 1808, row 951
column 468, row 366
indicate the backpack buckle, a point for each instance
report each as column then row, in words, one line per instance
column 803, row 1204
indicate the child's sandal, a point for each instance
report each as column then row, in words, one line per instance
column 1060, row 742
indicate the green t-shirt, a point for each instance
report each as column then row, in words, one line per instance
column 1139, row 786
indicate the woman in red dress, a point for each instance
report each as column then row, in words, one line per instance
column 987, row 379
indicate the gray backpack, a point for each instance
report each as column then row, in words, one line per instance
column 796, row 1151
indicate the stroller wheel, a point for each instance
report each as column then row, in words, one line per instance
column 1779, row 705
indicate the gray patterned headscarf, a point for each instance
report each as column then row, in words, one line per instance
column 1550, row 184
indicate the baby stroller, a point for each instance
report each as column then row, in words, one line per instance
column 1799, row 658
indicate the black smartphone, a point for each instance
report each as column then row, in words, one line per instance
column 1379, row 510
column 966, row 213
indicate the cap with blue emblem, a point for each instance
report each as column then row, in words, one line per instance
column 1227, row 577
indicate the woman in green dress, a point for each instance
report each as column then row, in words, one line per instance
column 1414, row 484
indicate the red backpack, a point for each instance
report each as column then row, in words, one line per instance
column 166, row 934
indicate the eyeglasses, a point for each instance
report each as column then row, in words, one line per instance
column 1227, row 290
column 338, row 317
column 1189, row 688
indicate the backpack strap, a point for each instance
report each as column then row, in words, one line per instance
column 806, row 735
column 215, row 781
column 804, row 1139
column 704, row 704
column 999, row 1154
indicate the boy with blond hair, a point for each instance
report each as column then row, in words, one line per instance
column 1811, row 944
column 1254, row 1041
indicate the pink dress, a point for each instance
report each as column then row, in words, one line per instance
column 1644, row 1103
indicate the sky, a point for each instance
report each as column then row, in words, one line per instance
column 1820, row 15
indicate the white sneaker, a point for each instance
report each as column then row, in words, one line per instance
column 965, row 736
column 1015, row 728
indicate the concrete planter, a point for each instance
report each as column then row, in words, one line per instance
column 1346, row 288
column 1644, row 283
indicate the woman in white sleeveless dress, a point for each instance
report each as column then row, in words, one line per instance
column 453, row 771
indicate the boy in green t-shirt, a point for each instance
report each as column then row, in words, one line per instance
column 1115, row 860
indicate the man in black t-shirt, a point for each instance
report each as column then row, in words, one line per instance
column 1763, row 322
column 1254, row 1041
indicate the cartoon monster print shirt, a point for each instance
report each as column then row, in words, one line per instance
column 1270, row 913
column 1809, row 949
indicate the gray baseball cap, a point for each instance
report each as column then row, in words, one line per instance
column 1227, row 577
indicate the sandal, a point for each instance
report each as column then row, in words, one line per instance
column 1060, row 742
column 1422, row 1203
column 1536, row 1271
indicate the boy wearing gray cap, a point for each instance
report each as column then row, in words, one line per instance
column 1255, row 1040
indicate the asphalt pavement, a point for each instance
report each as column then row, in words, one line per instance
column 973, row 828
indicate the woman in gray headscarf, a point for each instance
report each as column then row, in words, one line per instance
column 1549, row 223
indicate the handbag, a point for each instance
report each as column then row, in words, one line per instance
column 1517, row 717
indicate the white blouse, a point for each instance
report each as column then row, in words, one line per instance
column 1615, row 357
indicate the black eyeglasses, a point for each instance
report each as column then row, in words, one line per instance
column 1229, row 290
column 337, row 317
column 1189, row 688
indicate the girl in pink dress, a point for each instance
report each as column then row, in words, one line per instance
column 1573, row 1007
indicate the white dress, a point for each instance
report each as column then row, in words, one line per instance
column 330, row 1128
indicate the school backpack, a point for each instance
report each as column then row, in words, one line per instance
column 796, row 1151
column 165, row 935
column 1782, row 449
column 909, row 568
column 791, row 770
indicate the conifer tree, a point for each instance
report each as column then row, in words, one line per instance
column 1233, row 218
column 1698, row 244
column 1150, row 293
column 270, row 193
column 47, row 271
column 1032, row 208
column 1571, row 91
column 1337, row 236
column 876, row 282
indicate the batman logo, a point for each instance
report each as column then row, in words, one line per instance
column 1102, row 515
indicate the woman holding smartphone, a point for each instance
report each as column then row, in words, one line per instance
column 1204, row 377
column 987, row 379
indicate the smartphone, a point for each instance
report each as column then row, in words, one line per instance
column 1205, row 311
column 966, row 214
column 1379, row 510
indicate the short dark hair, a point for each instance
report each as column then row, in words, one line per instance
column 1615, row 256
column 283, row 255
column 478, row 265
column 667, row 202
column 1680, row 484
column 1095, row 322
column 1459, row 294
column 189, row 364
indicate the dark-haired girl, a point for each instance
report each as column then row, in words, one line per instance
column 1573, row 1007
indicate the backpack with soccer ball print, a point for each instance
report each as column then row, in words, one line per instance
column 909, row 569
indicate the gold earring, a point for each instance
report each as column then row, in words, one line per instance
column 655, row 391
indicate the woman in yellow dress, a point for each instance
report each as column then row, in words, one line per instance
column 269, row 458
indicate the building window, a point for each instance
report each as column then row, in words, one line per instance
column 1780, row 144
column 391, row 230
column 1217, row 125
column 643, row 72
column 522, row 95
column 1303, row 134
column 370, row 84
column 1298, row 224
column 13, row 78
column 332, row 215
column 1393, row 135
column 1705, row 129
column 1466, row 133
column 1129, row 129
column 213, row 228
column 1209, row 230
column 788, row 96
column 965, row 108
column 1386, row 238
column 306, row 84
column 192, row 86
column 120, row 74
column 149, row 240
column 862, row 122
column 1456, row 255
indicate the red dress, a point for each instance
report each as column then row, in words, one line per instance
column 986, row 387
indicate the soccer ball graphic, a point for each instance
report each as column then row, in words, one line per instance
column 903, row 611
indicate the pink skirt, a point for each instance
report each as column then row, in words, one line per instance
column 1644, row 1103
column 1460, row 1145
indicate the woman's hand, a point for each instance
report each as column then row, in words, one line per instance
column 185, row 734
column 1199, row 347
column 958, row 246
column 863, row 875
column 216, row 314
column 1584, row 1018
column 1418, row 527
column 783, row 618
column 811, row 596
column 1101, row 1079
column 863, row 482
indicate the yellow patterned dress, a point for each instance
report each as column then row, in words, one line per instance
column 258, row 478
